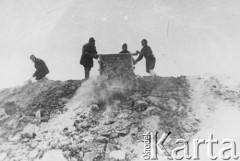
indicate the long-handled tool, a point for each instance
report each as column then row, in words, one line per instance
column 28, row 81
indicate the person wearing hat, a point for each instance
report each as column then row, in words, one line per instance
column 88, row 53
column 124, row 49
column 41, row 68
column 146, row 52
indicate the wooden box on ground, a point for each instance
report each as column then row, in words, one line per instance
column 113, row 62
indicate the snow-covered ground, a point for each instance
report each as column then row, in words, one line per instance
column 219, row 116
column 213, row 108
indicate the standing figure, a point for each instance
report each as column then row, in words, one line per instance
column 147, row 53
column 88, row 53
column 124, row 49
column 41, row 68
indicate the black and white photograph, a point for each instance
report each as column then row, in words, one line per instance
column 119, row 80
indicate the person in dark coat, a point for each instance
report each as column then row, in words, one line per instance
column 147, row 53
column 88, row 53
column 41, row 68
column 124, row 49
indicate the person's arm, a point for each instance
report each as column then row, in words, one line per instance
column 29, row 80
column 34, row 74
column 37, row 69
column 139, row 57
column 95, row 54
column 134, row 54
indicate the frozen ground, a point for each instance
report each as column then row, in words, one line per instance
column 85, row 127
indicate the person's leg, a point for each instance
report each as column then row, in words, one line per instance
column 150, row 65
column 87, row 72
column 147, row 66
column 40, row 77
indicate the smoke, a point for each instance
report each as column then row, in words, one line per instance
column 100, row 90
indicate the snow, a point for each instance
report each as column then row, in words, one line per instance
column 218, row 117
column 53, row 155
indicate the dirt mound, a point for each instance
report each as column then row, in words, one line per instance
column 20, row 104
column 54, row 98
column 106, row 117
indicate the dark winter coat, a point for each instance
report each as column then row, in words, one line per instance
column 41, row 69
column 88, row 53
column 150, row 59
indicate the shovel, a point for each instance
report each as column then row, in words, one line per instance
column 28, row 81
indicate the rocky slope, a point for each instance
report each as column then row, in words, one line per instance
column 101, row 119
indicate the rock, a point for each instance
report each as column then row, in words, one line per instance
column 29, row 131
column 102, row 139
column 140, row 105
column 67, row 154
column 172, row 103
column 114, row 135
column 11, row 108
column 33, row 154
column 45, row 118
column 181, row 109
column 109, row 122
column 95, row 107
column 38, row 116
column 106, row 134
column 134, row 137
column 89, row 156
column 88, row 138
column 85, row 125
column 136, row 97
column 73, row 148
column 123, row 115
column 25, row 140
column 117, row 155
column 34, row 145
column 153, row 100
column 15, row 138
column 73, row 159
column 3, row 156
column 123, row 132
column 2, row 113
column 55, row 144
column 13, row 124
column 80, row 154
column 174, row 108
column 53, row 155
column 99, row 157
column 152, row 110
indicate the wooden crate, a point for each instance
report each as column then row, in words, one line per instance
column 115, row 61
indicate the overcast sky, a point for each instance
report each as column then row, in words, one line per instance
column 188, row 37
